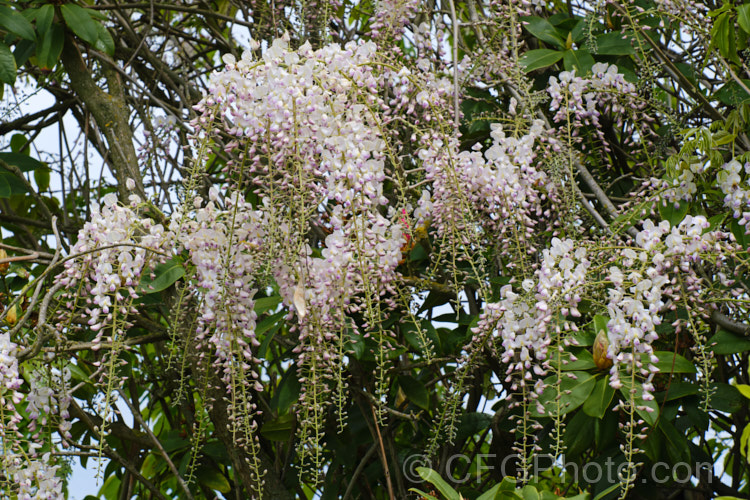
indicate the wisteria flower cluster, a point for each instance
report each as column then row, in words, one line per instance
column 114, row 246
column 582, row 100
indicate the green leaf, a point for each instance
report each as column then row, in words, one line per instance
column 48, row 50
column 24, row 50
column 19, row 144
column 650, row 417
column 738, row 231
column 743, row 17
column 42, row 178
column 472, row 423
column 4, row 188
column 744, row 390
column 614, row 44
column 213, row 479
column 79, row 21
column 670, row 362
column 7, row 65
column 490, row 494
column 573, row 393
column 541, row 58
column 423, row 494
column 166, row 275
column 584, row 361
column 677, row 390
column 15, row 184
column 23, row 162
column 674, row 215
column 543, row 30
column 44, row 17
column 745, row 441
column 606, row 492
column 13, row 22
column 677, row 444
column 598, row 402
column 726, row 398
column 104, row 40
column 264, row 304
column 415, row 391
column 732, row 93
column 287, row 392
column 600, row 323
column 279, row 429
column 725, row 343
column 433, row 477
column 530, row 493
column 580, row 60
column 578, row 434
column 723, row 36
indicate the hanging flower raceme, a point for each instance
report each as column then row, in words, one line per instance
column 642, row 287
column 37, row 479
column 582, row 100
column 114, row 249
column 226, row 247
column 504, row 184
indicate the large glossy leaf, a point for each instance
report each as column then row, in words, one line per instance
column 279, row 429
column 415, row 391
column 573, row 393
column 12, row 21
column 541, row 58
column 543, row 30
column 44, row 16
column 433, row 477
column 579, row 60
column 79, row 21
column 743, row 17
column 49, row 48
column 104, row 41
column 7, row 65
column 166, row 275
column 23, row 162
column 4, row 188
column 213, row 479
column 614, row 44
column 670, row 362
column 24, row 50
column 725, row 343
column 673, row 214
column 597, row 403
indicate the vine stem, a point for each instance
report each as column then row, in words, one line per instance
column 382, row 454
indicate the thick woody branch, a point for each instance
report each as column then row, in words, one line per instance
column 111, row 115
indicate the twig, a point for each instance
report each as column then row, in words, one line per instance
column 358, row 471
column 382, row 454
column 137, row 415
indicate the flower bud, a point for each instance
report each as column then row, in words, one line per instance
column 3, row 265
column 12, row 317
column 601, row 345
